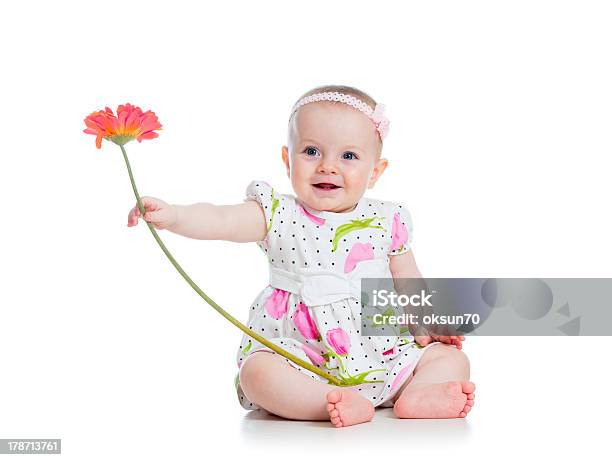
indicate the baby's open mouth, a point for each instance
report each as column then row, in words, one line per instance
column 326, row 186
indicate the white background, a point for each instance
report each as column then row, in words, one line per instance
column 499, row 145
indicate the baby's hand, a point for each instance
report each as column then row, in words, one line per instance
column 449, row 339
column 424, row 340
column 159, row 213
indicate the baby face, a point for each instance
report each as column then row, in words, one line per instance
column 333, row 156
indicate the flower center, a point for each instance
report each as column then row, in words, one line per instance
column 121, row 139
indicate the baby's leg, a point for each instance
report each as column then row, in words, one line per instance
column 270, row 382
column 439, row 387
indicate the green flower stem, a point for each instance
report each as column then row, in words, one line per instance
column 332, row 380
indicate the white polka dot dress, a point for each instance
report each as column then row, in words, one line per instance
column 311, row 307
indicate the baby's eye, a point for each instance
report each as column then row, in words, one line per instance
column 349, row 156
column 310, row 151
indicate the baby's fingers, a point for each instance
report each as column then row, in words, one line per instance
column 133, row 216
column 457, row 340
column 149, row 204
column 160, row 218
column 423, row 340
column 449, row 340
column 153, row 216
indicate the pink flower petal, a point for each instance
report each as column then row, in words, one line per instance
column 399, row 377
column 316, row 358
column 390, row 351
column 359, row 252
column 276, row 305
column 339, row 340
column 304, row 323
column 315, row 219
column 399, row 234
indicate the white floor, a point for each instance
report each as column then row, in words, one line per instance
column 535, row 396
column 161, row 398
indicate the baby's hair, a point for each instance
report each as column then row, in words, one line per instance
column 350, row 90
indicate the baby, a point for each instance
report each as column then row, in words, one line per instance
column 319, row 244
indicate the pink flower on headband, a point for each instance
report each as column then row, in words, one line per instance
column 380, row 120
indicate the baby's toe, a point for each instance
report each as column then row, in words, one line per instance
column 468, row 387
column 334, row 396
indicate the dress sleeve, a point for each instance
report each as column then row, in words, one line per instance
column 267, row 198
column 401, row 231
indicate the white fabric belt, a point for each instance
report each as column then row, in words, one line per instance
column 317, row 287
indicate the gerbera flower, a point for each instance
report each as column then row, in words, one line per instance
column 129, row 124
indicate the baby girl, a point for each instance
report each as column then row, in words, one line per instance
column 319, row 244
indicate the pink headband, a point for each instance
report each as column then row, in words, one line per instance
column 376, row 115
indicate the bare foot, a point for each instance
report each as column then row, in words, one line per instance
column 436, row 400
column 348, row 408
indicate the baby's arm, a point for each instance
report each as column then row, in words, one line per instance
column 404, row 266
column 241, row 223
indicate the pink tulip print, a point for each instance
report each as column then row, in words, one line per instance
column 399, row 233
column 314, row 219
column 390, row 351
column 276, row 305
column 304, row 323
column 359, row 252
column 339, row 345
column 314, row 356
column 399, row 377
column 339, row 341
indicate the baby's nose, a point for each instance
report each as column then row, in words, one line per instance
column 327, row 166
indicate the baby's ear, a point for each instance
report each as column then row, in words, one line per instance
column 285, row 156
column 379, row 168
